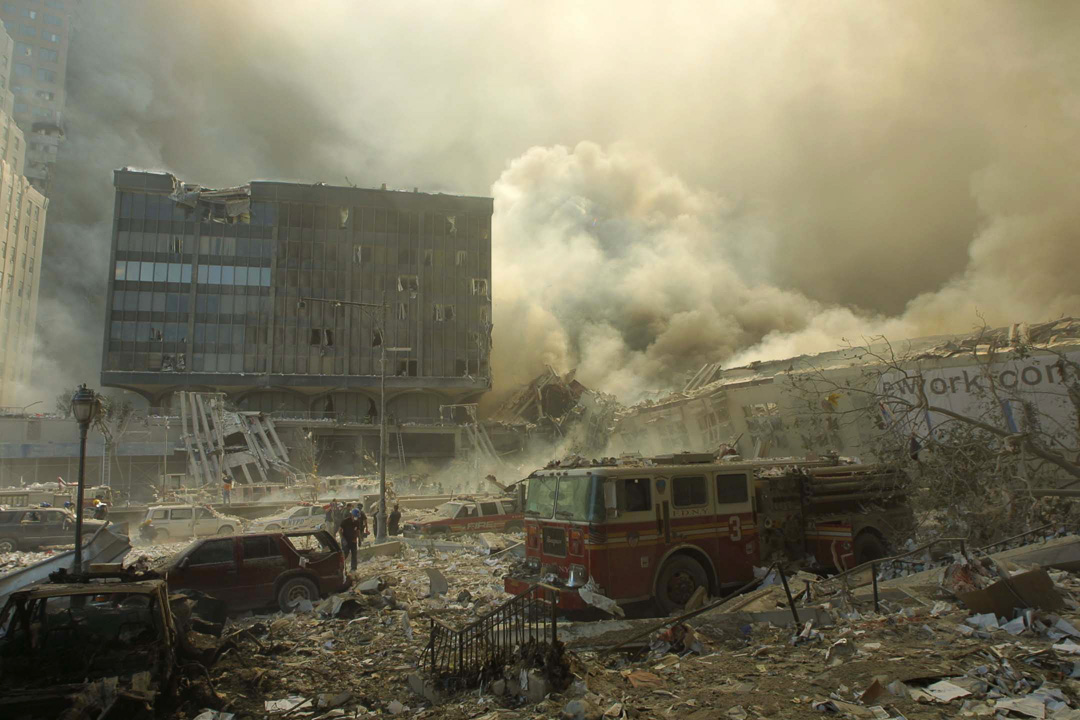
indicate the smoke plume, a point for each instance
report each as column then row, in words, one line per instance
column 673, row 184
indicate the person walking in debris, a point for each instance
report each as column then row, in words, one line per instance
column 344, row 513
column 328, row 515
column 226, row 489
column 363, row 522
column 101, row 511
column 395, row 520
column 350, row 530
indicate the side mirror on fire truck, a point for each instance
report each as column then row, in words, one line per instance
column 611, row 503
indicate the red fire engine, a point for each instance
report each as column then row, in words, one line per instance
column 655, row 530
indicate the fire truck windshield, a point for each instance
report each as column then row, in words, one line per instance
column 580, row 498
column 540, row 497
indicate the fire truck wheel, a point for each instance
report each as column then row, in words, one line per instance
column 678, row 580
column 513, row 527
column 869, row 546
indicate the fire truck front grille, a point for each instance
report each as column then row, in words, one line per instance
column 555, row 541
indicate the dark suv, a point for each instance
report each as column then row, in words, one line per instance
column 32, row 528
column 248, row 572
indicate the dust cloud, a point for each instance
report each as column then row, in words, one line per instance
column 674, row 184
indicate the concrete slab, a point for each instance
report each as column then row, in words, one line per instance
column 385, row 549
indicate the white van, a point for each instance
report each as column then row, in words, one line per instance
column 179, row 522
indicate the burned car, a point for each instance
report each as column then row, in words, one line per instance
column 33, row 528
column 259, row 570
column 98, row 646
column 469, row 516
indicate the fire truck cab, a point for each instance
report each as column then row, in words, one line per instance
column 657, row 529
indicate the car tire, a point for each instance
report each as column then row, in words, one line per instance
column 679, row 578
column 8, row 545
column 293, row 591
column 161, row 536
column 514, row 527
column 226, row 530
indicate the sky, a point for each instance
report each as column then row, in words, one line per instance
column 674, row 183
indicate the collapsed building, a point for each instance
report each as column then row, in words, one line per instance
column 557, row 410
column 817, row 403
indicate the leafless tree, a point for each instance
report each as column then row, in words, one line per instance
column 975, row 467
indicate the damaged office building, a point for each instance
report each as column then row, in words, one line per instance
column 818, row 404
column 283, row 297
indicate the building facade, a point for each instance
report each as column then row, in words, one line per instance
column 41, row 31
column 206, row 291
column 21, row 243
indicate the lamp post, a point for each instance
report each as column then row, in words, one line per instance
column 380, row 520
column 84, row 405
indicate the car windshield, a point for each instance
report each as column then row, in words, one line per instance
column 580, row 498
column 449, row 510
column 540, row 496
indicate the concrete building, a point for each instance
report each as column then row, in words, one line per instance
column 206, row 287
column 21, row 243
column 818, row 403
column 41, row 30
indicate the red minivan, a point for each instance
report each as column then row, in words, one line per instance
column 248, row 572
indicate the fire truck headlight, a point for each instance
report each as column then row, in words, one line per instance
column 578, row 576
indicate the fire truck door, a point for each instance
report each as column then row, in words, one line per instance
column 738, row 532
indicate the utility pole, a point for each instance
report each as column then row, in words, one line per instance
column 380, row 518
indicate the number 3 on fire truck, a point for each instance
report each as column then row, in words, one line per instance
column 735, row 528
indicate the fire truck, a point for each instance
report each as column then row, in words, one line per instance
column 654, row 530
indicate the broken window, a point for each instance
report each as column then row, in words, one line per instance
column 443, row 312
column 461, row 368
column 480, row 287
column 460, row 258
column 321, row 336
column 428, row 255
column 408, row 283
column 484, row 315
column 451, row 224
column 407, row 367
column 403, row 311
column 213, row 552
column 376, row 338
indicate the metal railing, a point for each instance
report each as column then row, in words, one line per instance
column 459, row 658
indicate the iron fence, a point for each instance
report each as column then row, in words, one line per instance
column 464, row 657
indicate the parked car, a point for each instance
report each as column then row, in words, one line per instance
column 56, row 639
column 32, row 528
column 259, row 570
column 469, row 516
column 171, row 522
column 300, row 517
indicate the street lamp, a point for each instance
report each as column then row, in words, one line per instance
column 380, row 520
column 84, row 405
